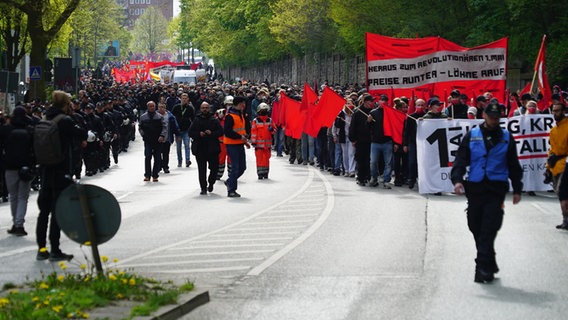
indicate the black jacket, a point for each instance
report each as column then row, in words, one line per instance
column 359, row 130
column 16, row 141
column 208, row 144
column 184, row 116
column 377, row 127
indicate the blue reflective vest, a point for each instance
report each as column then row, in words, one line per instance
column 492, row 165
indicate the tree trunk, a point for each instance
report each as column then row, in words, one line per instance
column 38, row 55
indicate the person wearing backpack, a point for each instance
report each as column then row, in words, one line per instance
column 17, row 158
column 55, row 175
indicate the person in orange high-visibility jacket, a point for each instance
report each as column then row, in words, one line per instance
column 224, row 160
column 261, row 139
column 236, row 138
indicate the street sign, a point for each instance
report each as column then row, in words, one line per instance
column 35, row 73
column 103, row 211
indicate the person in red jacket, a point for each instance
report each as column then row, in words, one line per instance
column 261, row 139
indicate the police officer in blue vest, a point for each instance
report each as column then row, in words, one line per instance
column 491, row 154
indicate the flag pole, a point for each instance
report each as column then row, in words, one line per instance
column 536, row 63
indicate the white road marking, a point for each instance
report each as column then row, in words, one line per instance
column 204, row 270
column 327, row 211
column 228, row 246
column 169, row 263
column 124, row 196
column 277, row 222
column 17, row 251
column 220, row 253
column 243, row 240
column 222, row 235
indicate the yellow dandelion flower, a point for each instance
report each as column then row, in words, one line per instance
column 13, row 291
column 132, row 282
column 115, row 260
column 43, row 285
column 87, row 279
column 70, row 315
column 57, row 309
column 44, row 249
column 124, row 281
column 121, row 273
column 83, row 266
column 60, row 278
column 87, row 243
column 63, row 266
column 35, row 299
column 46, row 302
column 104, row 259
column 3, row 302
column 85, row 315
column 112, row 277
column 119, row 296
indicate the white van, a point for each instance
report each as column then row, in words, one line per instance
column 185, row 76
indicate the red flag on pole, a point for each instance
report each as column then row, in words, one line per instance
column 309, row 99
column 294, row 116
column 540, row 73
column 515, row 106
column 393, row 123
column 328, row 108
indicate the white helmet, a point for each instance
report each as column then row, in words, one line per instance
column 263, row 106
column 91, row 137
column 228, row 100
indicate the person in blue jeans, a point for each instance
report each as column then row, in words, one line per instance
column 185, row 114
column 381, row 144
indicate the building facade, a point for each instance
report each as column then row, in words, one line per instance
column 133, row 9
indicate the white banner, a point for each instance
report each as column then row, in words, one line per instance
column 441, row 66
column 438, row 140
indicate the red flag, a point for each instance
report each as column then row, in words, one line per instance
column 294, row 116
column 328, row 107
column 515, row 106
column 309, row 99
column 411, row 103
column 393, row 123
column 277, row 113
column 540, row 72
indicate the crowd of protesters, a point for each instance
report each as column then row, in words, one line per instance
column 355, row 146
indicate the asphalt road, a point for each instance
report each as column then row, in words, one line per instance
column 308, row 245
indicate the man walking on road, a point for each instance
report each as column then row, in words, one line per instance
column 235, row 140
column 556, row 162
column 491, row 154
column 184, row 114
column 153, row 129
column 205, row 132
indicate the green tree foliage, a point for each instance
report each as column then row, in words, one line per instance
column 303, row 26
column 44, row 21
column 94, row 23
column 240, row 32
column 13, row 35
column 149, row 31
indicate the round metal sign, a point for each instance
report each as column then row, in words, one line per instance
column 103, row 209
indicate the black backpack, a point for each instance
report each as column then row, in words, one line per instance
column 47, row 142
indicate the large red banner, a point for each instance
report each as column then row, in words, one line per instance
column 434, row 66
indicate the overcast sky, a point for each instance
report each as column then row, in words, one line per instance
column 176, row 7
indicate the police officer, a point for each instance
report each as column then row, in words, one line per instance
column 491, row 153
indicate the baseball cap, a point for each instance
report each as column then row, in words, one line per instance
column 493, row 110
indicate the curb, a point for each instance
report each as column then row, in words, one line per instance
column 191, row 300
